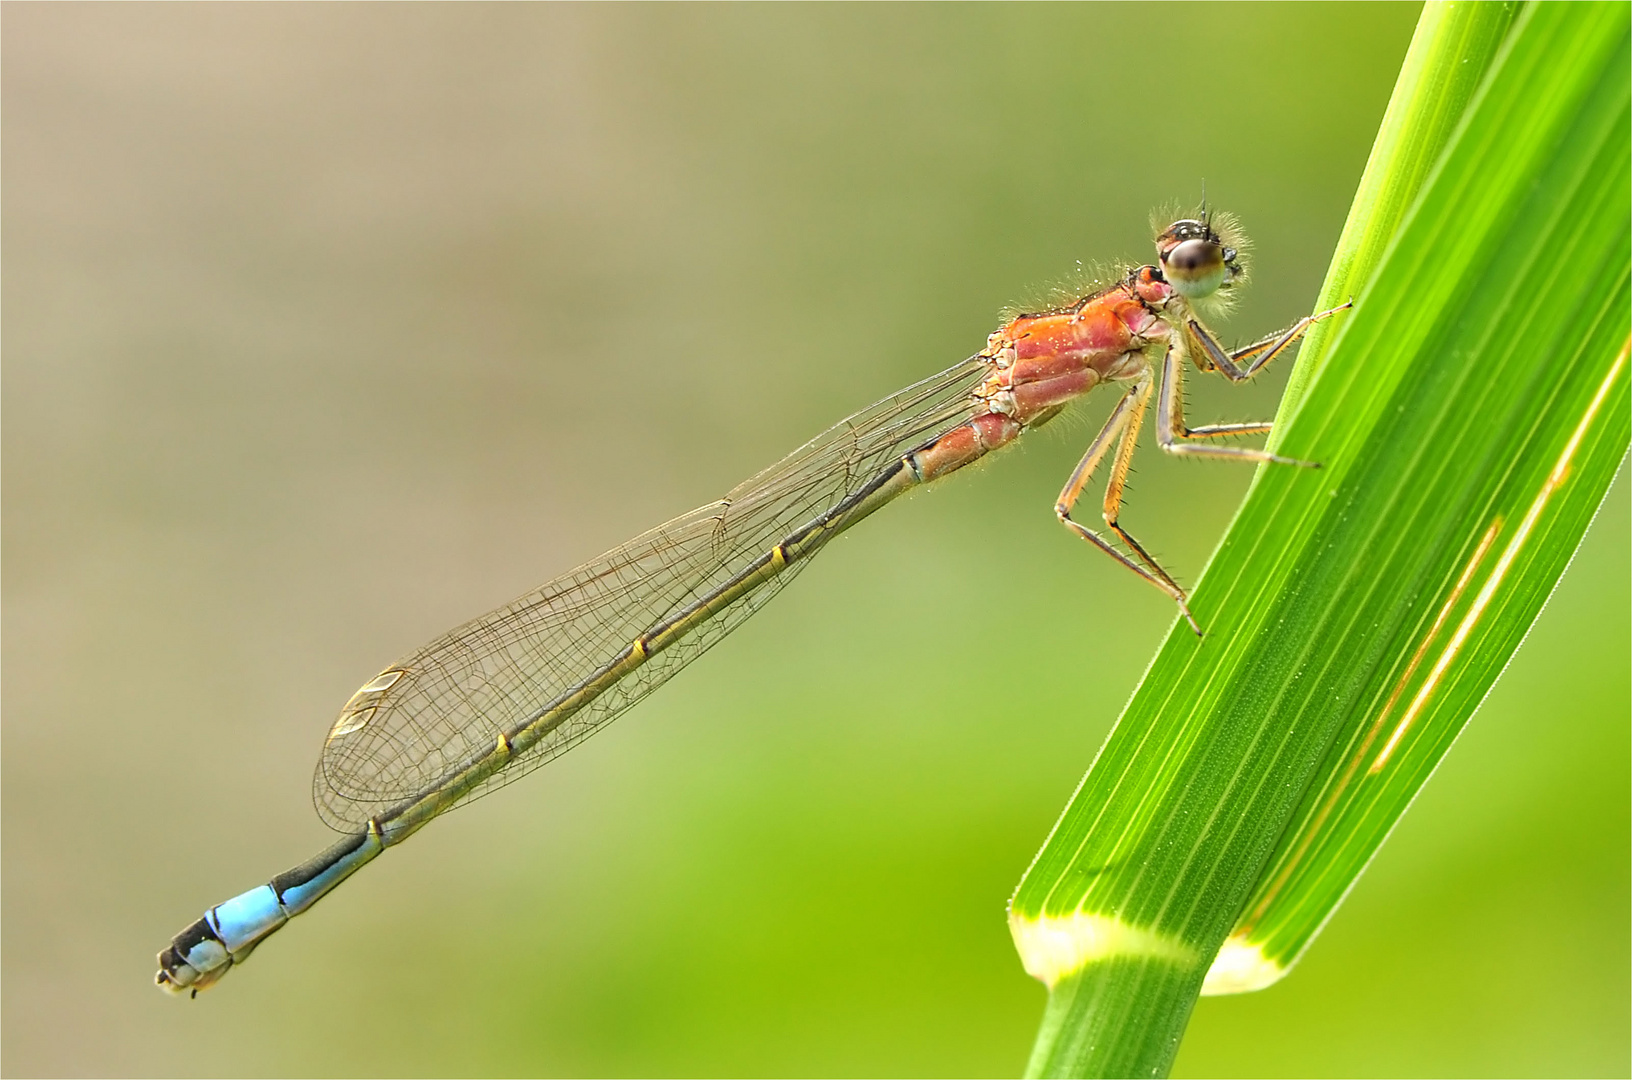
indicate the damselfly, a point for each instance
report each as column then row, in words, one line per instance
column 501, row 695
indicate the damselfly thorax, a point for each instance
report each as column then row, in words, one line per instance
column 1039, row 363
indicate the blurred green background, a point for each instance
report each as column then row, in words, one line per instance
column 327, row 328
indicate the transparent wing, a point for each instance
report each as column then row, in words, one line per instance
column 438, row 710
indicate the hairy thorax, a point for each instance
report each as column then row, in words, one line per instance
column 1041, row 362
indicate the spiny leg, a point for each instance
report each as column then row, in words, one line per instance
column 1259, row 352
column 1114, row 487
column 1124, row 421
column 1213, row 431
column 1170, row 429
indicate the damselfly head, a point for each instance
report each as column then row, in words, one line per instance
column 1197, row 259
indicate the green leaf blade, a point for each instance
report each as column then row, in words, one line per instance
column 1482, row 351
column 1449, row 56
column 1558, row 253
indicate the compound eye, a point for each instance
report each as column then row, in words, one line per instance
column 1195, row 267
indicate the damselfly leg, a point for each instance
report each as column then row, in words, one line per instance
column 1172, row 435
column 1122, row 428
